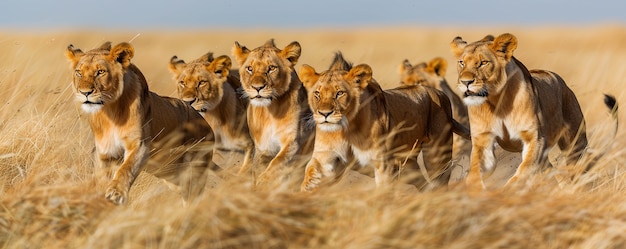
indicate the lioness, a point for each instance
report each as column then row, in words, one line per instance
column 433, row 74
column 209, row 87
column 126, row 118
column 523, row 111
column 278, row 105
column 355, row 118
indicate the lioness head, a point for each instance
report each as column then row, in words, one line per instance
column 98, row 76
column 200, row 82
column 430, row 74
column 334, row 95
column 266, row 71
column 482, row 65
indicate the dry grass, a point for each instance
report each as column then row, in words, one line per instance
column 50, row 199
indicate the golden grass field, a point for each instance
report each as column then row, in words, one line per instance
column 49, row 197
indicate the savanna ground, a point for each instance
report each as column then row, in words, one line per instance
column 51, row 199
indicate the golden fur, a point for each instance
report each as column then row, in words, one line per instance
column 126, row 118
column 432, row 74
column 278, row 105
column 356, row 119
column 523, row 111
column 209, row 86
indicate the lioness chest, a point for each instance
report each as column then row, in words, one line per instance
column 508, row 132
column 270, row 133
column 109, row 142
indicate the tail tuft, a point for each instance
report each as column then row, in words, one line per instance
column 610, row 102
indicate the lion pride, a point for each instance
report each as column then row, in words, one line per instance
column 527, row 111
column 128, row 120
column 356, row 119
column 278, row 106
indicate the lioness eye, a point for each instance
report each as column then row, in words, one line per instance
column 271, row 68
column 340, row 93
column 202, row 83
column 181, row 83
column 249, row 69
column 78, row 74
column 482, row 63
column 316, row 94
column 461, row 63
column 100, row 72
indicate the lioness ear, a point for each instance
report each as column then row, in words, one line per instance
column 438, row 65
column 241, row 53
column 359, row 76
column 308, row 76
column 487, row 38
column 292, row 52
column 504, row 45
column 220, row 66
column 405, row 66
column 122, row 53
column 457, row 45
column 105, row 46
column 176, row 65
column 73, row 54
column 208, row 57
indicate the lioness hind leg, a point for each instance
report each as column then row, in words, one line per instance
column 193, row 178
column 437, row 162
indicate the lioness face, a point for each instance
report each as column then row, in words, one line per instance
column 330, row 99
column 423, row 74
column 97, row 77
column 334, row 96
column 201, row 83
column 266, row 71
column 482, row 66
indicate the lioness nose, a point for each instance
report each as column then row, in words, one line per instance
column 467, row 82
column 86, row 93
column 189, row 101
column 325, row 113
column 258, row 88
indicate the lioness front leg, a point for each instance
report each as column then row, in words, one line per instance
column 482, row 159
column 135, row 158
column 531, row 155
column 312, row 176
column 284, row 156
column 323, row 167
column 106, row 166
column 248, row 158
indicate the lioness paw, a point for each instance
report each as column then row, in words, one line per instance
column 116, row 194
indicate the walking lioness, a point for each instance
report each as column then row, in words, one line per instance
column 523, row 111
column 126, row 119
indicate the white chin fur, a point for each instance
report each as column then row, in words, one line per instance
column 91, row 108
column 328, row 127
column 260, row 102
column 474, row 100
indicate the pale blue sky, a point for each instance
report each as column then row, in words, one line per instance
column 176, row 14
